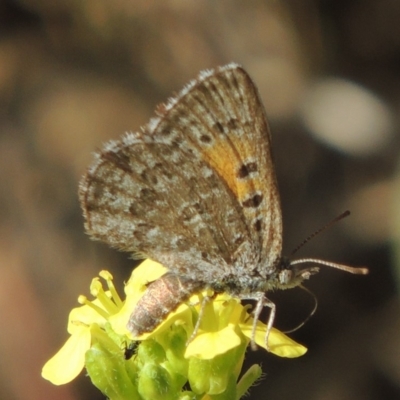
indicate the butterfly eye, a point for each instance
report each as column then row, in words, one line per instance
column 285, row 276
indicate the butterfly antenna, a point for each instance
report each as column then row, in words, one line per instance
column 352, row 270
column 309, row 315
column 328, row 225
column 342, row 267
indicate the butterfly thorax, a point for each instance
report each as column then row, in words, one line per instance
column 282, row 275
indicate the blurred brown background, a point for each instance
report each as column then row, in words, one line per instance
column 76, row 73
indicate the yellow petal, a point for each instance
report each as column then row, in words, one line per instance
column 206, row 346
column 282, row 346
column 278, row 343
column 148, row 271
column 84, row 315
column 119, row 320
column 70, row 359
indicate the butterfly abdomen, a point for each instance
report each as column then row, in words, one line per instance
column 161, row 298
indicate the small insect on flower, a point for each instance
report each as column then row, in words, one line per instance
column 195, row 190
column 130, row 350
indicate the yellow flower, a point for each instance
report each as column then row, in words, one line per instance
column 224, row 321
column 163, row 364
column 223, row 326
column 85, row 325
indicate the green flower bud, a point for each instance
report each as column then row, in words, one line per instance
column 150, row 351
column 155, row 383
column 175, row 347
column 108, row 373
column 209, row 376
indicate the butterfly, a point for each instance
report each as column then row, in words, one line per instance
column 195, row 190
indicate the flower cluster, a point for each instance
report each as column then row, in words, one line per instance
column 164, row 366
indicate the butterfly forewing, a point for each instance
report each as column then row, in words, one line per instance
column 195, row 190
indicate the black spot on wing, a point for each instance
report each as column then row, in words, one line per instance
column 246, row 169
column 253, row 202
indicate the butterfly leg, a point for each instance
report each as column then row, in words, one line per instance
column 262, row 302
column 268, row 303
column 204, row 302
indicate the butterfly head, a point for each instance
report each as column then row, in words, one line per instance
column 292, row 274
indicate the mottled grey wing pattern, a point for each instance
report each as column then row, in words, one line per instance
column 195, row 190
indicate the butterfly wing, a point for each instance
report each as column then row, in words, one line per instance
column 195, row 190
